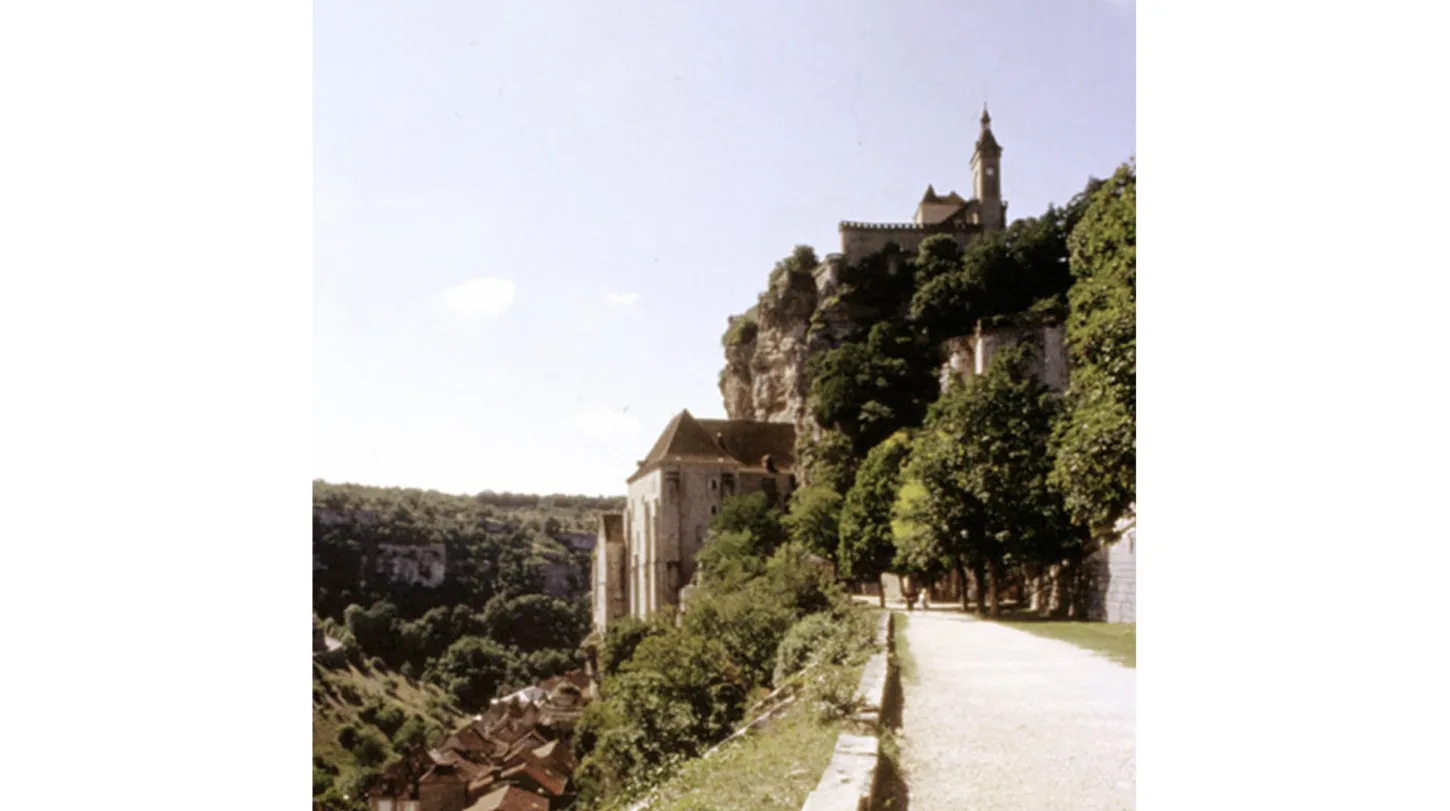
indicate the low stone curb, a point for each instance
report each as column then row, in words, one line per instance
column 849, row 783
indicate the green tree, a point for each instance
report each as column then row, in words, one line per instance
column 472, row 669
column 1096, row 444
column 1023, row 267
column 814, row 519
column 826, row 458
column 411, row 735
column 754, row 515
column 866, row 546
column 869, row 390
column 621, row 637
column 533, row 622
column 983, row 460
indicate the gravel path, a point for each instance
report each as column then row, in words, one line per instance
column 997, row 718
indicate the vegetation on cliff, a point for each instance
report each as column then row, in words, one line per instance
column 1096, row 463
column 996, row 476
column 363, row 716
column 414, row 657
column 763, row 610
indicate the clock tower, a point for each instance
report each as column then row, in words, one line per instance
column 987, row 178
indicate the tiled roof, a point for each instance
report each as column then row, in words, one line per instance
column 749, row 441
column 545, row 777
column 746, row 442
column 743, row 441
column 510, row 798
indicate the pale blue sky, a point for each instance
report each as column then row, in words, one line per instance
column 634, row 170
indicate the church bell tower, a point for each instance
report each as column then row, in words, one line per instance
column 987, row 178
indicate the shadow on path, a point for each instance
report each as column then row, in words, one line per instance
column 892, row 793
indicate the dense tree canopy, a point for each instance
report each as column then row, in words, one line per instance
column 866, row 547
column 871, row 389
column 1096, row 446
column 983, row 460
column 814, row 519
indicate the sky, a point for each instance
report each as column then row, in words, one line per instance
column 532, row 219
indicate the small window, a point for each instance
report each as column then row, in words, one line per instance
column 714, row 485
column 714, row 509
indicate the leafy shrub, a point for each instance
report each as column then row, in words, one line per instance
column 621, row 637
column 347, row 736
column 411, row 735
column 387, row 718
column 743, row 330
column 370, row 748
column 831, row 693
column 321, row 781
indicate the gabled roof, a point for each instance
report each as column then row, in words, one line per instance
column 683, row 438
column 746, row 442
column 749, row 442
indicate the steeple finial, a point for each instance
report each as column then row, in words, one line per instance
column 986, row 118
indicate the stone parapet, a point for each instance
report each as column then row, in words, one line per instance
column 849, row 782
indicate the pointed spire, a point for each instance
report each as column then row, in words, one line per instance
column 930, row 196
column 986, row 117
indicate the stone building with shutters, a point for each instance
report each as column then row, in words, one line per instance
column 646, row 555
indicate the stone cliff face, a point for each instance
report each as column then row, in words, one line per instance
column 766, row 350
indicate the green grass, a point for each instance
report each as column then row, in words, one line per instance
column 332, row 710
column 1115, row 641
column 905, row 662
column 773, row 768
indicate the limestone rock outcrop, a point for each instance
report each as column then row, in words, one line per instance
column 766, row 349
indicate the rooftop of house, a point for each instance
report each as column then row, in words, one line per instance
column 510, row 798
column 533, row 771
column 752, row 445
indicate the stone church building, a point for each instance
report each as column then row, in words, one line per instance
column 646, row 555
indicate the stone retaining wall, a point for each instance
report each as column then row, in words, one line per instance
column 849, row 782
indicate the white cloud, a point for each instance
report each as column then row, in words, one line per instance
column 480, row 297
column 622, row 299
column 601, row 424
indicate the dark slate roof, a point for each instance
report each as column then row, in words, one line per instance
column 987, row 143
column 749, row 441
column 745, row 442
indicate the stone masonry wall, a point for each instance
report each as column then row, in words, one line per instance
column 1110, row 576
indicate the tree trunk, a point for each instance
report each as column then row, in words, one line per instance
column 1067, row 601
column 962, row 584
column 994, row 582
column 881, row 588
column 979, row 578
